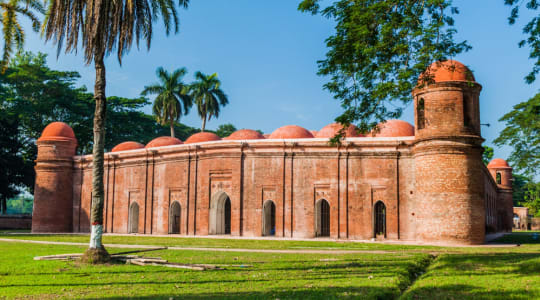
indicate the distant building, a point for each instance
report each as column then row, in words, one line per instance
column 397, row 183
column 522, row 218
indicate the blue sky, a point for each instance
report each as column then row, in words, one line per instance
column 266, row 57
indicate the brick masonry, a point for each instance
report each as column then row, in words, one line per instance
column 433, row 185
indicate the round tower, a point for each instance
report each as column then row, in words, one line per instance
column 502, row 174
column 53, row 192
column 448, row 156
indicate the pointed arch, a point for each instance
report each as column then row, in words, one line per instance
column 322, row 218
column 175, row 213
column 379, row 218
column 220, row 214
column 133, row 218
column 269, row 218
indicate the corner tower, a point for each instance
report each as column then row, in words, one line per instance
column 53, row 192
column 448, row 156
column 502, row 174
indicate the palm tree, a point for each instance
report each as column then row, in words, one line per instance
column 102, row 27
column 11, row 27
column 208, row 96
column 172, row 97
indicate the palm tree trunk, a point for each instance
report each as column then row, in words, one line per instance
column 98, row 155
column 203, row 123
column 172, row 128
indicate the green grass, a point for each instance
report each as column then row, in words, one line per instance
column 273, row 276
column 456, row 273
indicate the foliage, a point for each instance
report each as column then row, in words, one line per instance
column 532, row 29
column 487, row 155
column 16, row 171
column 20, row 205
column 522, row 132
column 526, row 192
column 173, row 99
column 378, row 51
column 12, row 31
column 208, row 96
column 225, row 130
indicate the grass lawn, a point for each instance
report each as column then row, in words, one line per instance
column 456, row 273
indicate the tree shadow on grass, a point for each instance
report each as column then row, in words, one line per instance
column 464, row 291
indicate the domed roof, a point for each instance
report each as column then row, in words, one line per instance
column 202, row 137
column 498, row 163
column 266, row 135
column 125, row 146
column 330, row 130
column 449, row 70
column 394, row 128
column 291, row 132
column 163, row 141
column 57, row 131
column 245, row 134
column 314, row 132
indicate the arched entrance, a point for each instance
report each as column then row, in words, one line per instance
column 174, row 218
column 133, row 220
column 220, row 214
column 269, row 218
column 380, row 219
column 322, row 218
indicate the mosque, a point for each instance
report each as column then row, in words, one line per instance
column 424, row 183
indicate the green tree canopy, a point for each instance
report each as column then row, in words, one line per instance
column 208, row 96
column 378, row 51
column 225, row 130
column 12, row 31
column 487, row 156
column 531, row 29
column 172, row 99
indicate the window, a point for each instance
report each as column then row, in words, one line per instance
column 420, row 114
column 499, row 180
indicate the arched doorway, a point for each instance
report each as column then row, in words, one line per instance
column 380, row 219
column 322, row 218
column 269, row 218
column 174, row 218
column 220, row 214
column 133, row 220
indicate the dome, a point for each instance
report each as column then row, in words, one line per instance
column 393, row 128
column 266, row 135
column 291, row 132
column 314, row 132
column 245, row 134
column 202, row 137
column 498, row 163
column 450, row 70
column 57, row 131
column 330, row 130
column 163, row 141
column 125, row 146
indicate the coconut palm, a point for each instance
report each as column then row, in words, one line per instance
column 208, row 96
column 11, row 27
column 172, row 97
column 102, row 27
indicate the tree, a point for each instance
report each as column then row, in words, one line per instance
column 225, row 130
column 532, row 29
column 14, row 169
column 522, row 132
column 378, row 51
column 11, row 28
column 172, row 99
column 101, row 27
column 487, row 156
column 208, row 96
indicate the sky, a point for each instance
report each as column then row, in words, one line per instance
column 266, row 57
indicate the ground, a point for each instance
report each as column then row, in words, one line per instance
column 280, row 270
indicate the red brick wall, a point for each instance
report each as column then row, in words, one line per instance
column 16, row 222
